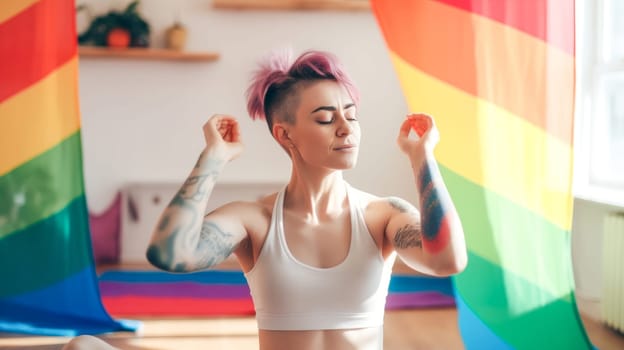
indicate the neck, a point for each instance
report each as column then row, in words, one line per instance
column 316, row 197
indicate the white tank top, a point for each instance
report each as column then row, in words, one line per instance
column 291, row 295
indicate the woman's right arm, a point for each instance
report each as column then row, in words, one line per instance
column 184, row 239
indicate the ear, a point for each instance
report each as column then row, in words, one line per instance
column 280, row 133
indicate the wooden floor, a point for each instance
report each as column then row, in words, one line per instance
column 428, row 329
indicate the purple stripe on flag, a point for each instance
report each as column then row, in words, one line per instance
column 177, row 289
column 396, row 301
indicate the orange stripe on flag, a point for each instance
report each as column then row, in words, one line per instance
column 514, row 68
column 10, row 8
column 35, row 42
column 39, row 117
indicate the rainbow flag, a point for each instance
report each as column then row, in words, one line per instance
column 47, row 277
column 498, row 77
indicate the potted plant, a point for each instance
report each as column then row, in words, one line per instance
column 117, row 29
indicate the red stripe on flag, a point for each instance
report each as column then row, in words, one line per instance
column 34, row 43
column 528, row 16
column 163, row 306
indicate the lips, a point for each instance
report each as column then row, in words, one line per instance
column 344, row 147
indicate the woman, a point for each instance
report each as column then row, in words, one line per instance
column 318, row 254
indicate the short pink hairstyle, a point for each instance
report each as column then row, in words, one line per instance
column 278, row 77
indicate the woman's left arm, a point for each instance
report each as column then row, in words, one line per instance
column 432, row 240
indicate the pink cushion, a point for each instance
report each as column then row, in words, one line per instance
column 105, row 230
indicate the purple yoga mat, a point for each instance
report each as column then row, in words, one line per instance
column 222, row 291
column 397, row 301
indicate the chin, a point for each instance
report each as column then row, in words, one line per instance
column 342, row 163
column 346, row 165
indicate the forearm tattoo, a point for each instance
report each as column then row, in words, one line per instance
column 192, row 190
column 435, row 222
column 176, row 236
column 195, row 187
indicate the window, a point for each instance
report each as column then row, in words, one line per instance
column 599, row 131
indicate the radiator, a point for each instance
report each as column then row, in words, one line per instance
column 613, row 271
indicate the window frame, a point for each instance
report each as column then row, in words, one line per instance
column 591, row 72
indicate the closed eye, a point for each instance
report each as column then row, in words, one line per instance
column 327, row 122
column 350, row 117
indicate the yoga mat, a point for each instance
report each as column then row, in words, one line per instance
column 226, row 293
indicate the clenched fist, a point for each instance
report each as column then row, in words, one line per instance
column 222, row 135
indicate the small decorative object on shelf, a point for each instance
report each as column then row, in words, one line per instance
column 117, row 29
column 176, row 36
column 118, row 37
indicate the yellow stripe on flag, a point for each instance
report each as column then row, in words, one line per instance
column 10, row 8
column 493, row 147
column 39, row 117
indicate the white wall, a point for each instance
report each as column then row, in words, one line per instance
column 142, row 119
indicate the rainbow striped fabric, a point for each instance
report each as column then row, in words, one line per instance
column 498, row 77
column 226, row 293
column 47, row 278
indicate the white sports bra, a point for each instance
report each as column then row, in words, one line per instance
column 290, row 295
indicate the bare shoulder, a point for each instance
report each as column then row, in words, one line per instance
column 255, row 216
column 377, row 204
column 246, row 211
column 377, row 214
column 376, row 209
column 365, row 198
column 264, row 205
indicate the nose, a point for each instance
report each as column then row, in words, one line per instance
column 344, row 126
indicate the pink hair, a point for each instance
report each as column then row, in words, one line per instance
column 277, row 77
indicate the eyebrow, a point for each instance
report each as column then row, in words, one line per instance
column 332, row 108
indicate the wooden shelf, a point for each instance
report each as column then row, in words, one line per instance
column 344, row 5
column 146, row 54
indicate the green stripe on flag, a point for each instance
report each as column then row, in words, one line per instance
column 512, row 236
column 46, row 252
column 42, row 186
column 522, row 314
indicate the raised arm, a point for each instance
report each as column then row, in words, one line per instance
column 184, row 239
column 432, row 240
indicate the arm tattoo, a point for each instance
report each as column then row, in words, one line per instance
column 198, row 163
column 162, row 256
column 200, row 250
column 401, row 205
column 408, row 236
column 436, row 230
column 214, row 246
column 194, row 188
